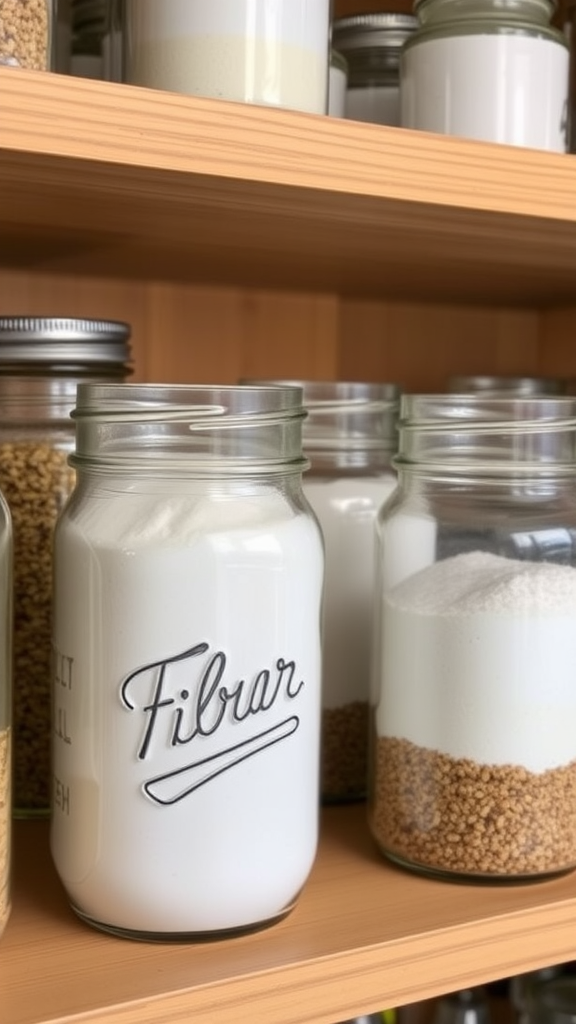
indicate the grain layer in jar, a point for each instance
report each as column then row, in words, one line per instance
column 188, row 585
column 26, row 29
column 269, row 52
column 42, row 359
column 6, row 554
column 349, row 436
column 473, row 755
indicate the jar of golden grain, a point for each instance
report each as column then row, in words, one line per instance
column 26, row 34
column 5, row 708
column 41, row 362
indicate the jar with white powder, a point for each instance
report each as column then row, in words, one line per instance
column 187, row 661
column 473, row 755
column 270, row 52
column 494, row 70
column 372, row 44
column 349, row 437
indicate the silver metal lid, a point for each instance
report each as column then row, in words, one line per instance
column 382, row 29
column 63, row 342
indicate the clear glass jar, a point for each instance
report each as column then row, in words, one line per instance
column 371, row 44
column 338, row 81
column 494, row 70
column 41, row 362
column 26, row 34
column 350, row 438
column 89, row 20
column 188, row 585
column 269, row 52
column 473, row 755
column 494, row 385
column 551, row 1001
column 5, row 710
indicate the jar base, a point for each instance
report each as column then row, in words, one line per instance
column 183, row 936
column 471, row 878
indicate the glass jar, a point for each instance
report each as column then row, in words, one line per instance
column 487, row 69
column 5, row 709
column 270, row 52
column 26, row 34
column 337, row 85
column 349, row 437
column 520, row 386
column 88, row 28
column 551, row 1001
column 473, row 754
column 188, row 584
column 371, row 44
column 41, row 361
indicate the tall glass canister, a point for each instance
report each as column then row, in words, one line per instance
column 188, row 584
column 473, row 758
column 42, row 359
column 27, row 34
column 5, row 710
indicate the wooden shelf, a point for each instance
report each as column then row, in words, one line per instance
column 106, row 179
column 364, row 935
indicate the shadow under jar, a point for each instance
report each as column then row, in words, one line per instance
column 473, row 739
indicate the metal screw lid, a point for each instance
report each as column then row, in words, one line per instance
column 63, row 343
column 382, row 29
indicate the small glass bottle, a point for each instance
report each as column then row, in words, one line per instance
column 5, row 710
column 26, row 34
column 269, row 52
column 187, row 660
column 371, row 45
column 473, row 755
column 494, row 70
column 42, row 360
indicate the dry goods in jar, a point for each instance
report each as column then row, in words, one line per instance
column 24, row 34
column 5, row 823
column 35, row 479
column 475, row 772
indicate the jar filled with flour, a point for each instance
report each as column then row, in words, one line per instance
column 473, row 753
column 349, row 438
column 187, row 661
column 270, row 52
column 494, row 70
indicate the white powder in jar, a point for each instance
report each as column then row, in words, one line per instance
column 479, row 661
column 147, row 577
column 275, row 55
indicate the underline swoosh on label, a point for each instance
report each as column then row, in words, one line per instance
column 174, row 786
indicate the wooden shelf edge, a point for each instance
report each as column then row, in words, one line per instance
column 363, row 936
column 49, row 115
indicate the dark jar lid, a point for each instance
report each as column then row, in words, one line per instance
column 64, row 345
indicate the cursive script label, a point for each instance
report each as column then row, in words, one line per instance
column 182, row 714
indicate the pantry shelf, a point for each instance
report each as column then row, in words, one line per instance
column 98, row 178
column 364, row 935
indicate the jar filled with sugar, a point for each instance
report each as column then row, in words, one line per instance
column 473, row 718
column 187, row 660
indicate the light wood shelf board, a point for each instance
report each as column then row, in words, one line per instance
column 105, row 178
column 363, row 936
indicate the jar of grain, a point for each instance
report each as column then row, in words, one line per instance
column 473, row 752
column 5, row 709
column 349, row 437
column 188, row 587
column 27, row 30
column 41, row 362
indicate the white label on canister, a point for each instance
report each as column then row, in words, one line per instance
column 268, row 53
column 499, row 88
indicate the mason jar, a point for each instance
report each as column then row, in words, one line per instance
column 506, row 384
column 269, row 52
column 5, row 710
column 27, row 34
column 473, row 742
column 494, row 70
column 187, row 661
column 371, row 44
column 41, row 361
